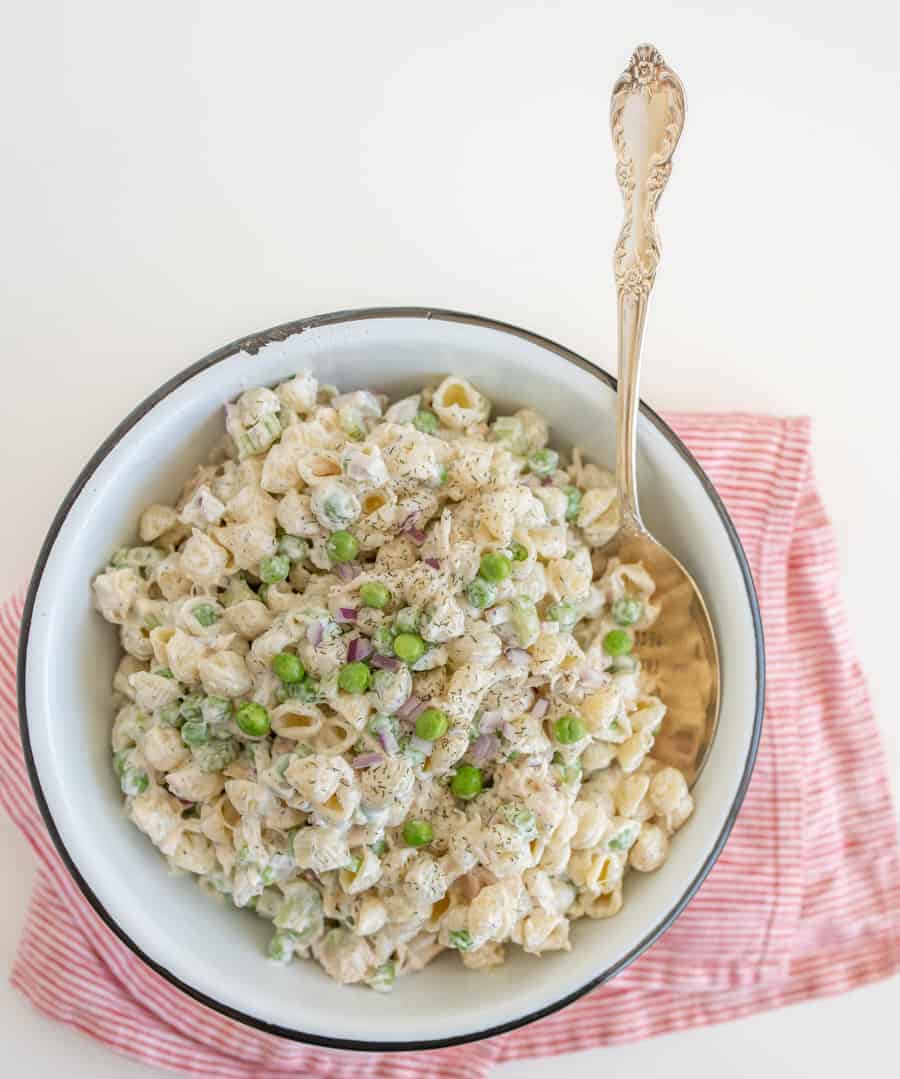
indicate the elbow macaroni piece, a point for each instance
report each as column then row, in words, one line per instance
column 370, row 839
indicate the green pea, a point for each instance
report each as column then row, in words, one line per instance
column 134, row 781
column 520, row 817
column 288, row 667
column 570, row 772
column 426, row 422
column 481, row 593
column 573, row 502
column 374, row 594
column 543, row 462
column 274, row 568
column 518, row 551
column 569, row 729
column 281, row 947
column 205, row 614
column 253, row 719
column 431, row 724
column 194, row 733
column 627, row 610
column 494, row 567
column 406, row 620
column 293, row 547
column 565, row 614
column 417, row 833
column 409, row 647
column 617, row 643
column 342, row 546
column 378, row 848
column 215, row 710
column 140, row 558
column 170, row 716
column 467, row 782
column 340, row 507
column 214, row 756
column 383, row 977
column 383, row 641
column 460, row 939
column 623, row 839
column 306, row 691
column 354, row 677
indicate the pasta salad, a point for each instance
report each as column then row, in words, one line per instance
column 378, row 681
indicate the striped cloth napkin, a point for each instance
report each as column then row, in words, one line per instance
column 804, row 901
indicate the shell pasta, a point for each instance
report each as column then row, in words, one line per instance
column 378, row 682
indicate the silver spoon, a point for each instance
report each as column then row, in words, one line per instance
column 679, row 651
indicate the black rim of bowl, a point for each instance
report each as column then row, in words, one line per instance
column 252, row 344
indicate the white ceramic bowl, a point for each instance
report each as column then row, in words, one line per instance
column 216, row 953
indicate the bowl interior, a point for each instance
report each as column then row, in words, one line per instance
column 217, row 951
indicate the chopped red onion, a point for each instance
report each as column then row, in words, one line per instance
column 315, row 633
column 490, row 721
column 367, row 760
column 388, row 740
column 540, row 708
column 347, row 570
column 546, row 481
column 359, row 648
column 385, row 663
column 484, row 749
column 348, row 614
column 416, row 535
column 410, row 708
column 433, row 562
column 421, row 744
column 518, row 656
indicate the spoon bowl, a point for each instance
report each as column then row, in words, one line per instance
column 679, row 651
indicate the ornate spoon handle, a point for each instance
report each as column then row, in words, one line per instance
column 646, row 118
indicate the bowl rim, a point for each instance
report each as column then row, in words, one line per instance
column 252, row 343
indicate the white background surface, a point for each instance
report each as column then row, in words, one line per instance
column 176, row 175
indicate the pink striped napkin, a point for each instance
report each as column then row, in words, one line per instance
column 804, row 901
